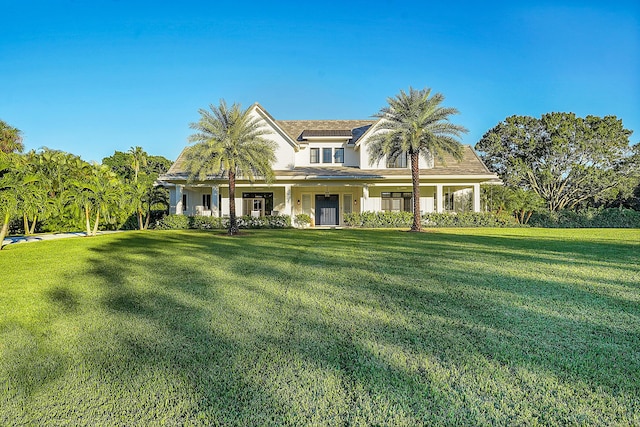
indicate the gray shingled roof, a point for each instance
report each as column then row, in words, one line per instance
column 295, row 128
column 470, row 165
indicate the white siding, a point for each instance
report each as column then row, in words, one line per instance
column 285, row 153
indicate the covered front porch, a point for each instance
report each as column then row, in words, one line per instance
column 213, row 200
column 325, row 203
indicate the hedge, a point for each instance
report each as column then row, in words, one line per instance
column 595, row 218
column 587, row 218
column 183, row 222
column 405, row 219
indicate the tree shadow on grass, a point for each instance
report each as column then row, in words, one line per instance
column 64, row 298
column 349, row 327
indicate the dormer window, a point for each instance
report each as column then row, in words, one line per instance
column 338, row 155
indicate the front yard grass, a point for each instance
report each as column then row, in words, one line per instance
column 335, row 327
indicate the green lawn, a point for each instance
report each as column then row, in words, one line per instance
column 342, row 327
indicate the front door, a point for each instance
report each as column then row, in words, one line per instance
column 327, row 209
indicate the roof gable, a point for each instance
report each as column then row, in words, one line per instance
column 268, row 118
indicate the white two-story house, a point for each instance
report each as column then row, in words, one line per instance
column 323, row 170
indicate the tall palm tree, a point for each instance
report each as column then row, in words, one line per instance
column 138, row 160
column 229, row 141
column 415, row 124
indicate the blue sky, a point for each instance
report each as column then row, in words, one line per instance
column 92, row 77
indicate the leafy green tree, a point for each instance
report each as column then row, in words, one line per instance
column 9, row 188
column 229, row 141
column 10, row 139
column 156, row 198
column 80, row 194
column 59, row 172
column 33, row 195
column 157, row 165
column 564, row 159
column 99, row 195
column 496, row 198
column 139, row 171
column 142, row 196
column 627, row 193
column 524, row 203
column 32, row 200
column 416, row 124
column 633, row 166
column 122, row 164
column 518, row 202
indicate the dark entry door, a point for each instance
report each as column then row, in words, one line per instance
column 327, row 209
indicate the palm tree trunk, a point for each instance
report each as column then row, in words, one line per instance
column 528, row 217
column 233, row 224
column 95, row 226
column 33, row 224
column 146, row 221
column 25, row 222
column 140, row 226
column 86, row 217
column 5, row 228
column 415, row 178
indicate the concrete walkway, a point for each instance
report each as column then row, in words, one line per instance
column 11, row 240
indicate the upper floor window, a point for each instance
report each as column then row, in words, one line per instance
column 399, row 162
column 338, row 155
column 326, row 155
column 315, row 155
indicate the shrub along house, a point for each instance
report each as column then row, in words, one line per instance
column 323, row 170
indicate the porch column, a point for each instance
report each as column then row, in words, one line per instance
column 364, row 202
column 225, row 207
column 476, row 197
column 215, row 209
column 179, row 207
column 439, row 201
column 288, row 200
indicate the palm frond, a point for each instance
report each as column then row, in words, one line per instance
column 229, row 139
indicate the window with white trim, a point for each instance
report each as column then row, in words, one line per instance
column 326, row 155
column 315, row 155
